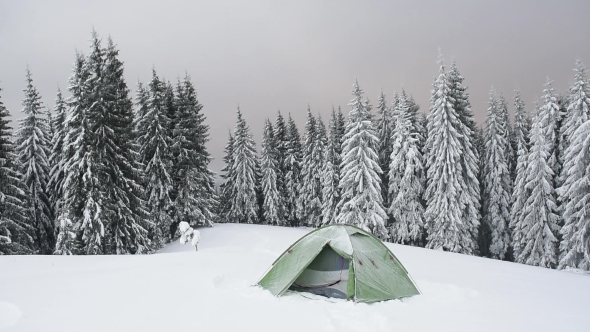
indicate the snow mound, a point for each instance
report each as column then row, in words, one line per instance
column 9, row 315
column 215, row 286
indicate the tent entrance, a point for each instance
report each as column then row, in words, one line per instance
column 326, row 275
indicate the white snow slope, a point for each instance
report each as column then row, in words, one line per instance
column 180, row 289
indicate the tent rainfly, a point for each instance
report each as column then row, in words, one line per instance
column 340, row 261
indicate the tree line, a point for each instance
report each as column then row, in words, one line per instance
column 511, row 190
column 106, row 173
column 97, row 175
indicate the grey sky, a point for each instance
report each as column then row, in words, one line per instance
column 270, row 55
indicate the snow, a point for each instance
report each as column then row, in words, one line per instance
column 214, row 287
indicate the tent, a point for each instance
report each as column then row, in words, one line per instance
column 340, row 261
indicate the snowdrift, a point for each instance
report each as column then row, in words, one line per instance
column 211, row 290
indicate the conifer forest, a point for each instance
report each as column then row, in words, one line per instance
column 114, row 167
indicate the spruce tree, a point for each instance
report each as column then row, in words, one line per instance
column 32, row 148
column 16, row 233
column 154, row 151
column 119, row 172
column 519, row 192
column 469, row 159
column 551, row 120
column 227, row 185
column 406, row 181
column 76, row 156
column 497, row 181
column 539, row 221
column 57, row 157
column 306, row 186
column 273, row 206
column 360, row 183
column 384, row 127
column 293, row 169
column 282, row 145
column 195, row 186
column 574, row 194
column 451, row 199
column 243, row 200
column 319, row 156
column 309, row 204
column 331, row 172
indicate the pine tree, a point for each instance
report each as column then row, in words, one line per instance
column 32, row 148
column 154, row 150
column 273, row 202
column 309, row 204
column 519, row 193
column 331, row 172
column 57, row 157
column 306, row 187
column 450, row 200
column 227, row 176
column 15, row 231
column 508, row 138
column 195, row 197
column 497, row 180
column 406, row 182
column 469, row 160
column 120, row 174
column 384, row 127
column 360, row 181
column 75, row 185
column 575, row 192
column 539, row 221
column 243, row 201
column 319, row 156
column 282, row 145
column 293, row 169
column 551, row 119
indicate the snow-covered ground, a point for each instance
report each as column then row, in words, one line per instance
column 211, row 290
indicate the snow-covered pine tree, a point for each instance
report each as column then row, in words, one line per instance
column 469, row 160
column 539, row 221
column 154, row 151
column 406, row 181
column 56, row 158
column 293, row 169
column 16, row 234
column 448, row 196
column 32, row 149
column 418, row 119
column 573, row 117
column 331, row 172
column 309, row 204
column 551, row 120
column 75, row 186
column 306, row 187
column 242, row 184
column 274, row 209
column 282, row 145
column 497, row 180
column 508, row 136
column 341, row 126
column 319, row 156
column 384, row 125
column 226, row 175
column 519, row 192
column 195, row 198
column 574, row 194
column 118, row 170
column 361, row 203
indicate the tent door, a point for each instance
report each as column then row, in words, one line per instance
column 326, row 275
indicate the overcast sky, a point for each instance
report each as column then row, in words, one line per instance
column 271, row 55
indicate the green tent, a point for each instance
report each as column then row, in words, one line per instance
column 341, row 261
